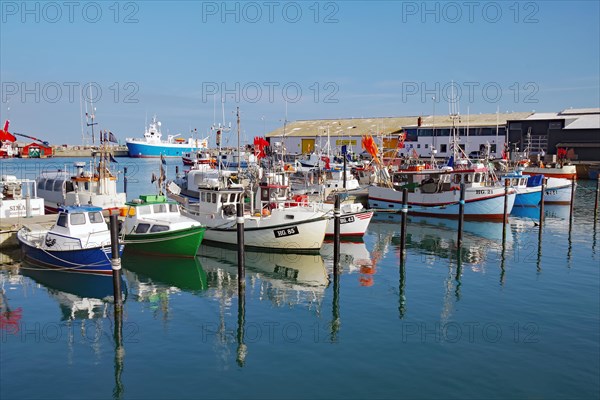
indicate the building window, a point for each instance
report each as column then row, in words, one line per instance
column 418, row 146
column 443, row 148
column 426, row 145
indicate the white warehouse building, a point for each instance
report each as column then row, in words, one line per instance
column 423, row 134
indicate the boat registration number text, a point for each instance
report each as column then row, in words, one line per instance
column 293, row 230
column 346, row 220
column 484, row 191
column 551, row 192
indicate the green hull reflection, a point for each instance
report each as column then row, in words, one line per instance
column 184, row 273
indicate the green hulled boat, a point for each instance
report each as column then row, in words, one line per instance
column 154, row 225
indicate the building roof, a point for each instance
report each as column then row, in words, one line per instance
column 581, row 144
column 579, row 111
column 389, row 125
column 547, row 115
column 584, row 122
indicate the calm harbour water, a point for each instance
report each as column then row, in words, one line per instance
column 523, row 321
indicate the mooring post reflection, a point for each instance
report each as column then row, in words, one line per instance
column 401, row 289
column 403, row 225
column 119, row 389
column 335, row 317
column 458, row 275
column 242, row 349
column 461, row 215
column 502, row 264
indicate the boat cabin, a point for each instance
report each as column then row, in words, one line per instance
column 78, row 227
column 443, row 180
column 151, row 214
column 56, row 186
column 219, row 200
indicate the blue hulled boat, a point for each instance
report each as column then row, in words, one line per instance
column 529, row 188
column 79, row 241
column 152, row 145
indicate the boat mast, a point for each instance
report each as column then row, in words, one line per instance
column 92, row 110
column 239, row 156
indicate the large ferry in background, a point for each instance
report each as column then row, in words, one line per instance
column 152, row 145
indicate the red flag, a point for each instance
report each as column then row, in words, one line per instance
column 5, row 135
column 259, row 147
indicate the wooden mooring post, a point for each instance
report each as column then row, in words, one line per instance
column 115, row 259
column 240, row 243
column 336, row 235
column 461, row 215
column 544, row 185
column 404, row 211
column 505, row 215
column 572, row 203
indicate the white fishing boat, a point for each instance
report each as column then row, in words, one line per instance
column 558, row 191
column 437, row 193
column 96, row 187
column 354, row 219
column 18, row 198
column 269, row 227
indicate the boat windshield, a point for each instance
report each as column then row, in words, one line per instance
column 78, row 219
column 96, row 217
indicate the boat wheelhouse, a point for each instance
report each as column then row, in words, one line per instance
column 99, row 189
column 528, row 188
column 154, row 225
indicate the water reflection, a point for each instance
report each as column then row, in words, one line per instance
column 437, row 238
column 355, row 258
column 283, row 279
column 153, row 279
column 80, row 296
column 553, row 211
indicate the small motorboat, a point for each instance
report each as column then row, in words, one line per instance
column 79, row 241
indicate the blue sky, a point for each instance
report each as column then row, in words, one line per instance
column 327, row 59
